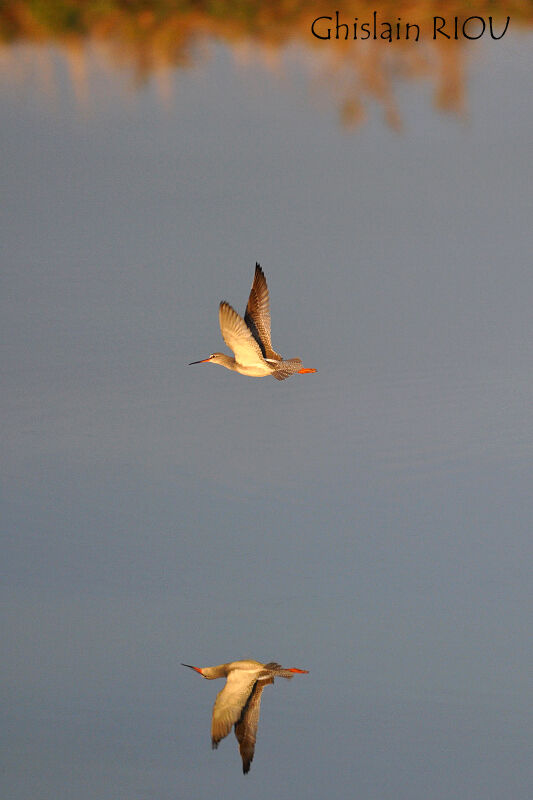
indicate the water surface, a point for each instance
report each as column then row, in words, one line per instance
column 371, row 523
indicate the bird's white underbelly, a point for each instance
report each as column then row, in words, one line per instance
column 254, row 370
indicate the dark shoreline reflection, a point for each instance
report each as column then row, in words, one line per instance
column 149, row 40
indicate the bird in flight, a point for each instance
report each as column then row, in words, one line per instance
column 249, row 338
column 238, row 703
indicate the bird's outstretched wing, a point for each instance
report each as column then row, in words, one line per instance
column 238, row 337
column 246, row 727
column 257, row 315
column 230, row 702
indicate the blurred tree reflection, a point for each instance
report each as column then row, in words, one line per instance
column 150, row 38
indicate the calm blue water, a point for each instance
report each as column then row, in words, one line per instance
column 371, row 523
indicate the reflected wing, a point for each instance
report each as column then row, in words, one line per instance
column 246, row 727
column 257, row 315
column 230, row 702
column 238, row 337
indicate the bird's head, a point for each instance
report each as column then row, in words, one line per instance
column 214, row 358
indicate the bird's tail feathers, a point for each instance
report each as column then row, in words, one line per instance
column 282, row 672
column 287, row 368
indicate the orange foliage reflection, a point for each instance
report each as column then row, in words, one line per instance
column 151, row 39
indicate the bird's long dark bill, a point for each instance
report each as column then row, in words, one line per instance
column 196, row 669
column 202, row 361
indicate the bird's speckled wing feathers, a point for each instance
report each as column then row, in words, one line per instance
column 257, row 315
column 238, row 337
column 286, row 368
column 231, row 701
column 246, row 727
